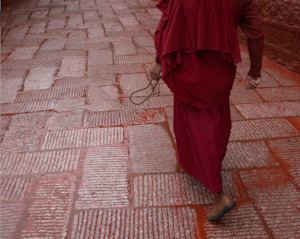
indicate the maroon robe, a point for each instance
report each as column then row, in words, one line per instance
column 197, row 46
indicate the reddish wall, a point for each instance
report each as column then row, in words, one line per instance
column 281, row 21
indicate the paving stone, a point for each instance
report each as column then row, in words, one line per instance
column 15, row 189
column 235, row 114
column 104, row 98
column 44, row 2
column 280, row 94
column 39, row 78
column 104, row 169
column 56, row 23
column 48, row 34
column 75, row 20
column 124, row 48
column 90, row 16
column 100, row 57
column 9, row 89
column 126, row 33
column 282, row 78
column 53, row 45
column 83, row 138
column 262, row 129
column 89, row 46
column 39, row 14
column 10, row 217
column 266, row 79
column 22, row 42
column 4, row 125
column 24, row 52
column 39, row 162
column 162, row 89
column 106, row 39
column 18, row 32
column 95, row 32
column 25, row 132
column 72, row 66
column 143, row 41
column 127, row 117
column 243, row 222
column 108, row 79
column 120, row 7
column 146, row 50
column 31, row 63
column 153, row 102
column 128, row 21
column 115, row 69
column 38, row 28
column 248, row 155
column 177, row 189
column 53, row 93
column 132, row 82
column 269, row 110
column 60, row 53
column 137, row 223
column 287, row 151
column 28, row 107
column 49, row 213
column 12, row 73
column 240, row 95
column 268, row 188
column 65, row 120
column 134, row 59
column 151, row 149
column 67, row 105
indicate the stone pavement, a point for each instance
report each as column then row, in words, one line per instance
column 79, row 160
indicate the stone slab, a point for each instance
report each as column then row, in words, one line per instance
column 18, row 32
column 65, row 120
column 124, row 117
column 124, row 48
column 282, row 78
column 269, row 110
column 83, row 138
column 88, row 46
column 153, row 102
column 143, row 41
column 24, row 52
column 60, row 53
column 12, row 73
column 25, row 132
column 127, row 59
column 151, row 149
column 115, row 69
column 104, row 181
column 30, row 63
column 130, row 83
column 4, row 125
column 9, row 89
column 104, row 98
column 262, row 129
column 287, row 151
column 53, row 44
column 39, row 162
column 280, row 93
column 86, row 81
column 100, row 57
column 50, row 94
column 268, row 188
column 242, row 222
column 73, row 66
column 67, row 105
column 128, row 21
column 137, row 223
column 49, row 212
column 126, row 33
column 95, row 32
column 15, row 189
column 248, row 155
column 28, row 107
column 39, row 78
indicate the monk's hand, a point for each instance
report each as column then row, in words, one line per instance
column 155, row 71
column 252, row 83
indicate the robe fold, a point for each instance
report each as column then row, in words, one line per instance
column 197, row 46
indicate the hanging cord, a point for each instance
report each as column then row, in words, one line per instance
column 151, row 94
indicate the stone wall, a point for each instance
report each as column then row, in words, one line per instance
column 281, row 21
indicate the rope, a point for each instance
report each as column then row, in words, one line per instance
column 151, row 94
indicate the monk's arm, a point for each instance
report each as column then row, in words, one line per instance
column 252, row 27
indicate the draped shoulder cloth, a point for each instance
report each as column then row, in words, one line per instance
column 188, row 26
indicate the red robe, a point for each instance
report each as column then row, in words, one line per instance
column 197, row 46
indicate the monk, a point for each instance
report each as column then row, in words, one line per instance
column 197, row 53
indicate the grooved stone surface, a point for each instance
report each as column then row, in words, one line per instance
column 39, row 78
column 128, row 117
column 10, row 216
column 14, row 189
column 134, row 59
column 269, row 110
column 261, row 129
column 280, row 94
column 31, row 63
column 115, row 69
column 12, row 73
column 25, row 132
column 176, row 189
column 39, row 162
column 151, row 149
column 104, row 181
column 86, row 81
column 83, row 138
column 137, row 223
column 248, row 155
column 87, row 46
column 49, row 94
column 60, row 54
column 49, row 212
column 153, row 102
column 288, row 153
column 72, row 66
column 277, row 199
column 242, row 222
column 34, row 106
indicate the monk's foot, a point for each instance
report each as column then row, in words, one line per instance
column 223, row 204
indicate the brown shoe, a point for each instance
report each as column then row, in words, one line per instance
column 225, row 205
